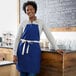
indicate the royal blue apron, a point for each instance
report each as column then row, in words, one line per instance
column 29, row 62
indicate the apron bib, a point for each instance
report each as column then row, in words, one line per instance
column 29, row 62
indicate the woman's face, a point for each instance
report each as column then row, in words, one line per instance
column 30, row 11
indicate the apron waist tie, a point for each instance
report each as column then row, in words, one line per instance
column 29, row 41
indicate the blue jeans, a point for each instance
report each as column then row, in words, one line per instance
column 27, row 74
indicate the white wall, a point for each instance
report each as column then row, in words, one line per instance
column 62, row 35
column 65, row 40
column 8, row 16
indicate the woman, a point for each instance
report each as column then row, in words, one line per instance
column 27, row 52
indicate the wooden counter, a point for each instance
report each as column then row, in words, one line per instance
column 7, row 68
column 54, row 64
column 69, row 66
column 6, row 53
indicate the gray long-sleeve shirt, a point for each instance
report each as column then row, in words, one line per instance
column 42, row 27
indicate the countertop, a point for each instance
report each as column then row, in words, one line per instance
column 4, row 63
column 7, row 47
column 45, row 49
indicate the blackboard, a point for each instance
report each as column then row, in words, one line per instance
column 55, row 13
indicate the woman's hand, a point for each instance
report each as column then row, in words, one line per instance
column 60, row 51
column 14, row 59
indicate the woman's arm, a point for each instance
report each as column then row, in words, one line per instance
column 17, row 39
column 50, row 37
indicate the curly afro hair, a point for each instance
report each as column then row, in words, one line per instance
column 33, row 3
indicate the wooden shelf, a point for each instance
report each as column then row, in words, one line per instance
column 63, row 29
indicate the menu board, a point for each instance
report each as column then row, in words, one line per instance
column 55, row 13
